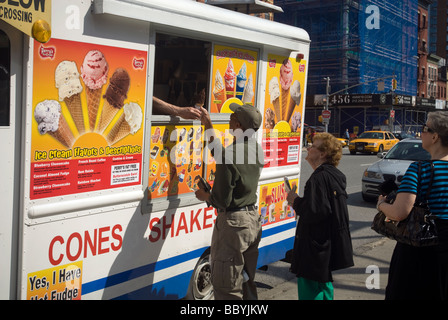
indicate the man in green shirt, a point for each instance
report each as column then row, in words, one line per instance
column 237, row 231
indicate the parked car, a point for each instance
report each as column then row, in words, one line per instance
column 372, row 142
column 402, row 135
column 393, row 165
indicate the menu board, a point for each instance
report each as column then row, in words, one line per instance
column 283, row 110
column 175, row 160
column 223, row 134
column 88, row 111
column 234, row 74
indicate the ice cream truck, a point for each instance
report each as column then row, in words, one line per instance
column 97, row 187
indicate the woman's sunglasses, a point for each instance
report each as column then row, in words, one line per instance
column 427, row 129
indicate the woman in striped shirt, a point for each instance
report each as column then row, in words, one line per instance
column 422, row 272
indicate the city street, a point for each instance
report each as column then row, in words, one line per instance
column 370, row 249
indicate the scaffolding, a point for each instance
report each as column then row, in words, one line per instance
column 357, row 41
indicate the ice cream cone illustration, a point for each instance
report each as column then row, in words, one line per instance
column 229, row 78
column 94, row 72
column 274, row 92
column 249, row 90
column 115, row 95
column 129, row 122
column 286, row 76
column 241, row 82
column 295, row 99
column 50, row 120
column 70, row 88
column 219, row 92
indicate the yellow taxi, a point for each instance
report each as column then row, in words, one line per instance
column 343, row 141
column 372, row 141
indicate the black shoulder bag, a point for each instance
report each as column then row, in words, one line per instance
column 418, row 229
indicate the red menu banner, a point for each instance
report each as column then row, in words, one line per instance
column 285, row 85
column 88, row 111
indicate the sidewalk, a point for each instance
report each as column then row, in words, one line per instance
column 349, row 284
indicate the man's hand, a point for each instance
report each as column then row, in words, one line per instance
column 189, row 113
column 202, row 195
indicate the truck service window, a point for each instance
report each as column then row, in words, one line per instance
column 181, row 69
column 4, row 79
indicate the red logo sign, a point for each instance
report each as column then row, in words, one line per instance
column 139, row 63
column 272, row 63
column 47, row 52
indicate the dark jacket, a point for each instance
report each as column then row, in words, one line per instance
column 323, row 242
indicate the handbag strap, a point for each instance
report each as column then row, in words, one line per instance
column 428, row 192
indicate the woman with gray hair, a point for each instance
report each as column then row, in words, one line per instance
column 422, row 272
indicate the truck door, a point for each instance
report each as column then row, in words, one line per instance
column 11, row 53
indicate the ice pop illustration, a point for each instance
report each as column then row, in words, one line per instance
column 241, row 82
column 115, row 95
column 94, row 72
column 129, row 122
column 249, row 91
column 51, row 120
column 70, row 88
column 295, row 99
column 274, row 92
column 286, row 76
column 219, row 91
column 229, row 78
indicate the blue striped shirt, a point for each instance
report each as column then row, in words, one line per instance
column 438, row 199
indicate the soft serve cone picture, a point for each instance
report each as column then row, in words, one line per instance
column 94, row 71
column 234, row 73
column 229, row 78
column 249, row 90
column 241, row 82
column 219, row 92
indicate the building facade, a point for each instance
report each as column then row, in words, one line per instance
column 362, row 46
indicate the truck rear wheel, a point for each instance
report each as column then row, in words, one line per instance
column 201, row 287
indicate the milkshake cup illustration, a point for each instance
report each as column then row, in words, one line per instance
column 69, row 89
column 94, row 72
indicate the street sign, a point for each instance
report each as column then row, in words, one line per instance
column 392, row 113
column 326, row 114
